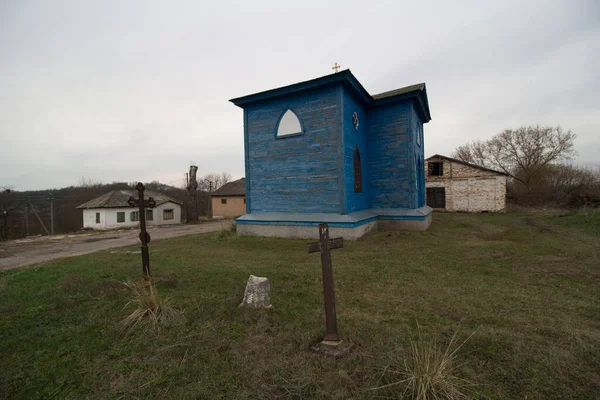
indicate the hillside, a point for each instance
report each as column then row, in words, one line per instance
column 67, row 218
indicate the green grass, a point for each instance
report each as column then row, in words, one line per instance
column 527, row 283
column 588, row 220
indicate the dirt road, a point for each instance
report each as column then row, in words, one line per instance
column 19, row 253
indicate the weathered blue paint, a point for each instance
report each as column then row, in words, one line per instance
column 313, row 172
column 351, row 139
column 294, row 173
column 390, row 156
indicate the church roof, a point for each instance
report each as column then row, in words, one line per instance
column 404, row 90
column 235, row 188
column 417, row 92
column 120, row 198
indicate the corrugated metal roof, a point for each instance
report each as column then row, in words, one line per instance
column 120, row 198
column 235, row 188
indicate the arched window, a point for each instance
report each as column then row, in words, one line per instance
column 289, row 124
column 357, row 172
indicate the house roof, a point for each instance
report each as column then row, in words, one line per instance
column 466, row 163
column 120, row 198
column 417, row 92
column 235, row 188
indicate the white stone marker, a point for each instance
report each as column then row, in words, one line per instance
column 257, row 293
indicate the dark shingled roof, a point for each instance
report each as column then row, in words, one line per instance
column 466, row 163
column 235, row 188
column 119, row 198
column 408, row 89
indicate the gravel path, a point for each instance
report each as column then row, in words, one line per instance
column 23, row 252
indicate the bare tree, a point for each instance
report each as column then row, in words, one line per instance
column 521, row 153
column 88, row 182
column 213, row 181
column 473, row 153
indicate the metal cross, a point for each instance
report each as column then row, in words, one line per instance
column 336, row 66
column 324, row 245
column 144, row 235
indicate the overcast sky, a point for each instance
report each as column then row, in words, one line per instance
column 138, row 90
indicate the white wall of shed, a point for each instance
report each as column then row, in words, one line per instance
column 470, row 189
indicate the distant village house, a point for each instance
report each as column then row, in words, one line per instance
column 230, row 200
column 454, row 185
column 112, row 210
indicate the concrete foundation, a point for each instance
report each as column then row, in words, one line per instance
column 405, row 225
column 303, row 231
column 350, row 226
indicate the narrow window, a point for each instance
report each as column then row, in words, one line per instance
column 168, row 214
column 244, row 200
column 149, row 215
column 436, row 169
column 223, row 201
column 289, row 124
column 357, row 172
column 97, row 218
column 135, row 216
column 120, row 216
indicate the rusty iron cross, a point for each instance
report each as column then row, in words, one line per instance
column 324, row 245
column 336, row 66
column 144, row 235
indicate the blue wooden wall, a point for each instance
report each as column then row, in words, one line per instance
column 419, row 155
column 352, row 138
column 299, row 173
column 389, row 150
column 314, row 171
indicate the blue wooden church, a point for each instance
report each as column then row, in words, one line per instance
column 325, row 150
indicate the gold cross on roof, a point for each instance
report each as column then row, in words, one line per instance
column 336, row 66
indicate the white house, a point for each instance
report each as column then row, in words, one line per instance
column 454, row 185
column 111, row 210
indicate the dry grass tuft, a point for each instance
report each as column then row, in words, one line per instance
column 149, row 309
column 428, row 372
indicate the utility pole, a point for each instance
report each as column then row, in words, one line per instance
column 26, row 217
column 51, row 214
column 37, row 215
column 209, row 213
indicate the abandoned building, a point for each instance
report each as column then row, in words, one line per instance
column 325, row 150
column 112, row 210
column 229, row 200
column 454, row 185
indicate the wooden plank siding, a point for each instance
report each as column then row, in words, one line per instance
column 298, row 173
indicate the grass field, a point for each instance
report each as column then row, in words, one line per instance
column 527, row 284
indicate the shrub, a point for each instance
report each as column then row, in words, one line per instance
column 148, row 309
column 428, row 372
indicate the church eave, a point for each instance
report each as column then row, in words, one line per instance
column 419, row 99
